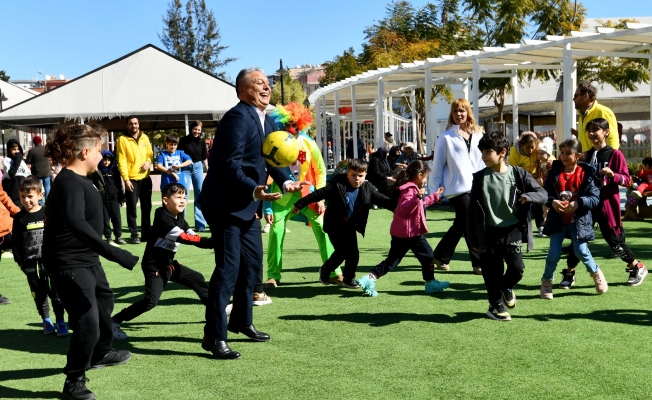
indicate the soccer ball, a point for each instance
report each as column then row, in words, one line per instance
column 280, row 149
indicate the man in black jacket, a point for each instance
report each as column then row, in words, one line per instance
column 349, row 198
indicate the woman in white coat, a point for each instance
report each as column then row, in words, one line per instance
column 456, row 158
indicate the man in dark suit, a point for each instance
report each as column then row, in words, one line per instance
column 234, row 186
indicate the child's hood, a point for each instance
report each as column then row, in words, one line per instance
column 407, row 186
column 12, row 142
column 101, row 166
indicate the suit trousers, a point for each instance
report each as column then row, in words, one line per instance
column 88, row 299
column 143, row 192
column 238, row 262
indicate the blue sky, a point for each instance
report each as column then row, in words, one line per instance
column 72, row 37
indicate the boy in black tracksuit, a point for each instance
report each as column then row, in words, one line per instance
column 349, row 198
column 27, row 234
column 109, row 183
column 500, row 220
column 159, row 266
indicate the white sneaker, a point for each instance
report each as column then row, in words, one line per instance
column 540, row 234
column 266, row 228
column 261, row 299
column 228, row 309
column 118, row 334
column 637, row 194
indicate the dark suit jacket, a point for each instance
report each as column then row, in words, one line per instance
column 236, row 165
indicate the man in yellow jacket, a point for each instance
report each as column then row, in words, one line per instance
column 586, row 103
column 135, row 155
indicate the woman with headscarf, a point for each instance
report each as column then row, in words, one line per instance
column 379, row 172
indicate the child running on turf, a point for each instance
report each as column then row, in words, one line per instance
column 611, row 172
column 572, row 194
column 27, row 237
column 501, row 198
column 349, row 198
column 108, row 181
column 159, row 266
column 408, row 229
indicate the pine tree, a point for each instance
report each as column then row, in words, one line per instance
column 193, row 36
column 4, row 76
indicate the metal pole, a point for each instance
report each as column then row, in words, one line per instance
column 569, row 86
column 282, row 87
column 428, row 109
column 336, row 124
column 515, row 125
column 379, row 128
column 475, row 93
column 354, row 115
column 187, row 130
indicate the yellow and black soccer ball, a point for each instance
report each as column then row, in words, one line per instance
column 280, row 149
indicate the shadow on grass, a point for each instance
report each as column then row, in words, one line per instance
column 32, row 341
column 13, row 375
column 309, row 291
column 385, row 319
column 630, row 317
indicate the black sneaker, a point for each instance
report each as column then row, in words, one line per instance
column 4, row 300
column 509, row 298
column 324, row 276
column 135, row 240
column 120, row 241
column 350, row 283
column 568, row 279
column 77, row 390
column 113, row 357
column 636, row 274
column 499, row 313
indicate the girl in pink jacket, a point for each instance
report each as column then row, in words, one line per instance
column 408, row 229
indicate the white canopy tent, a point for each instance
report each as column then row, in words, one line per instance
column 14, row 94
column 376, row 88
column 161, row 90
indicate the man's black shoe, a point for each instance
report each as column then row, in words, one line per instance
column 135, row 240
column 219, row 349
column 77, row 390
column 251, row 333
column 113, row 357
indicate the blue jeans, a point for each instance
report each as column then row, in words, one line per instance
column 46, row 186
column 580, row 247
column 196, row 175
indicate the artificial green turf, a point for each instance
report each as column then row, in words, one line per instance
column 334, row 343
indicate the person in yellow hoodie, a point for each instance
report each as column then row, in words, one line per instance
column 586, row 103
column 296, row 119
column 524, row 153
column 135, row 155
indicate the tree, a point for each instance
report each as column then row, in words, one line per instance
column 4, row 76
column 341, row 67
column 194, row 36
column 293, row 91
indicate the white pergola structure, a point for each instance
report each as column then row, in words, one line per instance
column 373, row 91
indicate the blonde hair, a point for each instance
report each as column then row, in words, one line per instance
column 470, row 118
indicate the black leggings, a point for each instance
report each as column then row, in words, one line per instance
column 446, row 247
column 112, row 216
column 155, row 282
column 399, row 248
column 39, row 284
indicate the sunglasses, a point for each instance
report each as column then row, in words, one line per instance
column 578, row 94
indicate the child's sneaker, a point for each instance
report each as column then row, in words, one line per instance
column 436, row 286
column 111, row 242
column 509, row 298
column 636, row 274
column 228, row 309
column 368, row 284
column 261, row 299
column 568, row 279
column 440, row 265
column 62, row 329
column 324, row 276
column 118, row 334
column 350, row 283
column 48, row 328
column 4, row 300
column 540, row 234
column 546, row 289
column 637, row 194
column 77, row 390
column 266, row 228
column 601, row 285
column 120, row 241
column 499, row 313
